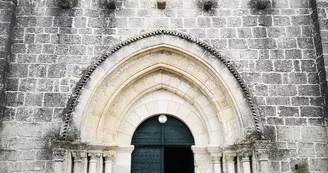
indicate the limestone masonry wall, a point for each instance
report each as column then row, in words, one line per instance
column 276, row 50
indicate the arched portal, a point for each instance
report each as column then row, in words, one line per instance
column 162, row 147
column 162, row 73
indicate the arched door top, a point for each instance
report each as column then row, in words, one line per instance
column 172, row 132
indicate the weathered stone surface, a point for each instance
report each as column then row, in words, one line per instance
column 278, row 51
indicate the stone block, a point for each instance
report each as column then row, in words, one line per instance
column 26, row 58
column 219, row 22
column 289, row 134
column 297, row 78
column 79, row 22
column 265, row 20
column 309, row 90
column 234, row 21
column 319, row 164
column 25, row 155
column 244, row 32
column 287, row 43
column 261, row 90
column 27, row 85
column 12, row 84
column 277, row 100
column 37, row 70
column 14, row 98
column 45, row 154
column 268, row 111
column 33, row 99
column 259, row 32
column 275, row 121
column 249, row 21
column 277, row 54
column 18, row 48
column 34, row 48
column 157, row 23
column 301, row 20
column 220, row 43
column 308, row 66
column 4, row 29
column 321, row 150
column 308, row 111
column 305, row 43
column 299, row 3
column 24, row 114
column 281, row 20
column 237, row 44
column 293, row 54
column 57, row 70
column 174, row 23
column 296, row 121
column 42, row 38
column 300, row 101
column 294, row 31
column 228, row 33
column 282, row 90
column 286, row 111
column 204, row 22
column 33, row 166
column 45, row 85
column 283, row 65
column 264, row 65
column 276, row 32
column 272, row 78
column 313, row 134
column 263, row 43
column 55, row 100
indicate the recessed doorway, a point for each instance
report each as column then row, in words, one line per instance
column 162, row 147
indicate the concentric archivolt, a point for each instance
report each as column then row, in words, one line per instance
column 117, row 86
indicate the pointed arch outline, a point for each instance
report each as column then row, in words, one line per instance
column 83, row 82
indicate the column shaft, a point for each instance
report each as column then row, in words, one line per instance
column 92, row 166
column 108, row 166
column 217, row 168
column 246, row 166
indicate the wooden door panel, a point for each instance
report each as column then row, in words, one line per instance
column 146, row 160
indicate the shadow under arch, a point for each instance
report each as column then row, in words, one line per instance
column 150, row 39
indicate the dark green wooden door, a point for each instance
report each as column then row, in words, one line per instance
column 153, row 139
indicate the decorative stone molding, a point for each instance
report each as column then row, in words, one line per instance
column 199, row 150
column 161, row 4
column 207, row 4
column 94, row 155
column 67, row 3
column 230, row 156
column 125, row 149
column 260, row 4
column 109, row 155
column 83, row 81
column 216, row 153
column 111, row 4
column 59, row 155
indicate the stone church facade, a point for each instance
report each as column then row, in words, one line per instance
column 87, row 85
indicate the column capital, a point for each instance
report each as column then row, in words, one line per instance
column 109, row 155
column 262, row 155
column 94, row 155
column 79, row 155
column 230, row 156
column 216, row 153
